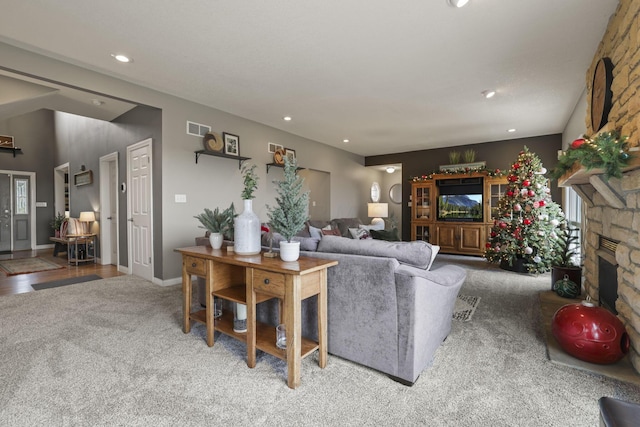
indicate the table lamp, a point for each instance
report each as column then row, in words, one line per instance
column 87, row 218
column 377, row 211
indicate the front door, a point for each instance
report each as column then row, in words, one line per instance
column 15, row 212
column 139, row 209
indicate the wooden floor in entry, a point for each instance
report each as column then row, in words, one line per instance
column 21, row 283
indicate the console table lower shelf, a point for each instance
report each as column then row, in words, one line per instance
column 251, row 280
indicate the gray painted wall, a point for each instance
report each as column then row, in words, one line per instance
column 213, row 181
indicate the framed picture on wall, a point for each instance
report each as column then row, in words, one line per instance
column 83, row 178
column 231, row 144
column 290, row 154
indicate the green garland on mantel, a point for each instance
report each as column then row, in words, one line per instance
column 606, row 151
column 468, row 171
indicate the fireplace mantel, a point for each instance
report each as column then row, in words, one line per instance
column 586, row 182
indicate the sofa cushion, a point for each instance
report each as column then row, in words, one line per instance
column 417, row 254
column 343, row 224
column 306, row 243
column 331, row 232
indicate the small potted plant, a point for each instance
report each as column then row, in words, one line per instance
column 290, row 214
column 564, row 265
column 218, row 224
column 57, row 223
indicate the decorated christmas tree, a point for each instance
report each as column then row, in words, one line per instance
column 528, row 222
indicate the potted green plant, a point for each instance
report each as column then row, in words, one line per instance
column 57, row 223
column 217, row 223
column 247, row 224
column 564, row 264
column 290, row 214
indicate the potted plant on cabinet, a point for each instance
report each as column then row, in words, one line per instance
column 218, row 224
column 247, row 224
column 57, row 223
column 290, row 214
column 566, row 274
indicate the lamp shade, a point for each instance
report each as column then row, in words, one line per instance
column 87, row 216
column 378, row 210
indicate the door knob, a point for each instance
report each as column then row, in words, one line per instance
column 130, row 220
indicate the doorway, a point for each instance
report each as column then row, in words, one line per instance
column 109, row 223
column 17, row 208
column 139, row 212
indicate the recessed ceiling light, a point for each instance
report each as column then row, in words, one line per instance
column 457, row 3
column 512, row 130
column 345, row 140
column 121, row 58
column 287, row 118
column 97, row 102
column 488, row 93
column 390, row 169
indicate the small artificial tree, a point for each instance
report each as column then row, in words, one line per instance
column 290, row 214
column 529, row 222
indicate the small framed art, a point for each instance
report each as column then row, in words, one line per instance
column 290, row 154
column 231, row 144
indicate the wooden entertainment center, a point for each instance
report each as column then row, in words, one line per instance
column 457, row 236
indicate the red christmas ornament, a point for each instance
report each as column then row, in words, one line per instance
column 531, row 193
column 503, row 225
column 526, row 183
column 488, row 245
column 541, row 203
column 526, row 221
column 510, row 193
column 494, row 234
column 512, row 178
column 516, row 165
column 590, row 333
column 577, row 143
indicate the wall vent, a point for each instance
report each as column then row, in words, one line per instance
column 196, row 129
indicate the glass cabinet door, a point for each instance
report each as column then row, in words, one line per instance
column 497, row 190
column 422, row 203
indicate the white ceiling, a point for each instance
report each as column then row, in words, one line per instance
column 391, row 76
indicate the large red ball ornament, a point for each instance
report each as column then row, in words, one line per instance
column 577, row 143
column 541, row 203
column 590, row 333
column 503, row 225
column 526, row 183
column 526, row 221
column 531, row 193
column 509, row 193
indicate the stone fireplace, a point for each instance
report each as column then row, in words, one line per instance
column 611, row 230
column 612, row 253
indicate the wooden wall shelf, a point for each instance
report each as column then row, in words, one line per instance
column 276, row 165
column 240, row 159
column 14, row 150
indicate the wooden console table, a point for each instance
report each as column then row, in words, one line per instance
column 251, row 280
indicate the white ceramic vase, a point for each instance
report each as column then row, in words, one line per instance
column 247, row 231
column 216, row 240
column 289, row 251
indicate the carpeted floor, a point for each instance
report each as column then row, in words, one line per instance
column 27, row 265
column 112, row 352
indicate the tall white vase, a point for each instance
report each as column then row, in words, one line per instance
column 247, row 231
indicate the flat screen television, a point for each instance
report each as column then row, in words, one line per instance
column 460, row 207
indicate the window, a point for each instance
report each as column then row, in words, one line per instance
column 573, row 213
column 22, row 196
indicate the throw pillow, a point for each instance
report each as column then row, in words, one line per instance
column 315, row 232
column 391, row 236
column 359, row 233
column 331, row 232
column 343, row 224
column 74, row 226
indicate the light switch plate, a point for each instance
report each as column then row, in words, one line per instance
column 181, row 198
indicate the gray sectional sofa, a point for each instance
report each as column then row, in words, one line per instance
column 389, row 305
column 386, row 309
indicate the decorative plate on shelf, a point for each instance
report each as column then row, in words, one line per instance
column 278, row 157
column 212, row 142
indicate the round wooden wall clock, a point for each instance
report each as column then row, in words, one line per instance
column 601, row 93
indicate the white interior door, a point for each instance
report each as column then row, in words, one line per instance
column 139, row 201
